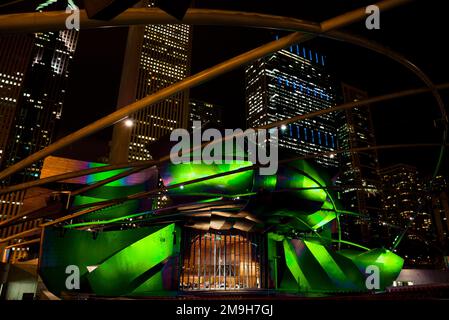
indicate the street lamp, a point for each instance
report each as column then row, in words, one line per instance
column 129, row 123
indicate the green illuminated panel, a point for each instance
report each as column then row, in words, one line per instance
column 293, row 265
column 115, row 276
column 127, row 262
column 319, row 219
column 389, row 264
column 327, row 262
column 232, row 184
column 62, row 248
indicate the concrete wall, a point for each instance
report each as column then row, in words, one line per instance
column 424, row 276
column 21, row 279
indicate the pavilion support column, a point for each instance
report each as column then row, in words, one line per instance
column 121, row 135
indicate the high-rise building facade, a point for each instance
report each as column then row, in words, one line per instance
column 42, row 97
column 34, row 73
column 156, row 56
column 358, row 178
column 439, row 206
column 289, row 83
column 13, row 67
column 404, row 208
column 205, row 112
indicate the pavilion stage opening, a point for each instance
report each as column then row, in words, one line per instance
column 222, row 260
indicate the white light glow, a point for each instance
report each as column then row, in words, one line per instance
column 129, row 123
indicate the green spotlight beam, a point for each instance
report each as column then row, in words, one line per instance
column 45, row 4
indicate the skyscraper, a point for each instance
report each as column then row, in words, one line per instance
column 205, row 112
column 34, row 73
column 358, row 177
column 439, row 205
column 404, row 208
column 289, row 83
column 42, row 96
column 13, row 67
column 156, row 57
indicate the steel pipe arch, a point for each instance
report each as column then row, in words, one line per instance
column 54, row 20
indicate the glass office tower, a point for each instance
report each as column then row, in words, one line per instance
column 156, row 56
column 358, row 179
column 34, row 71
column 289, row 83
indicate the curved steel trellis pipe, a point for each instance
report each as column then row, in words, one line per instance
column 140, row 195
column 340, row 21
column 10, row 3
column 149, row 163
column 332, row 22
column 56, row 20
column 373, row 46
column 189, row 82
column 104, row 204
column 165, row 93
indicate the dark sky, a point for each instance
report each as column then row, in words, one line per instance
column 418, row 31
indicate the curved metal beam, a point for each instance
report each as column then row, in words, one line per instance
column 188, row 83
column 145, row 194
column 260, row 20
column 149, row 163
column 46, row 21
column 104, row 204
column 76, row 174
column 354, row 104
column 165, row 93
column 55, row 20
column 39, row 21
column 373, row 46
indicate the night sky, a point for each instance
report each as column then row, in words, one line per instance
column 418, row 31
